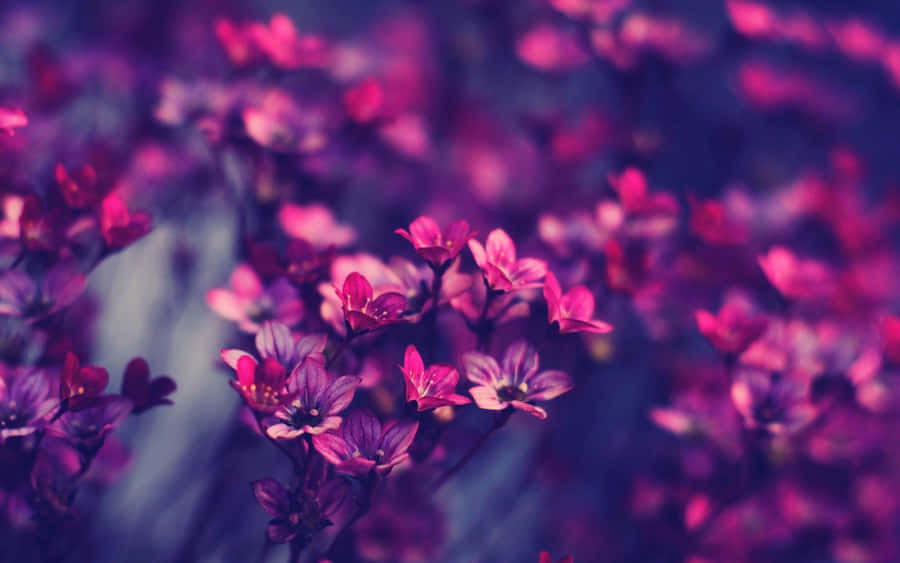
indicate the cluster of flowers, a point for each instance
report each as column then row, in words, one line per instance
column 57, row 415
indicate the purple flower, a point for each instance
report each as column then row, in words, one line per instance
column 303, row 513
column 90, row 426
column 249, row 303
column 517, row 384
column 275, row 341
column 25, row 401
column 361, row 444
column 430, row 388
column 20, row 296
column 319, row 398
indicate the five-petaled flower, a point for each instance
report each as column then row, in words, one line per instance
column 573, row 310
column 502, row 271
column 318, row 399
column 361, row 444
column 517, row 383
column 304, row 512
column 430, row 387
column 436, row 247
column 363, row 313
column 262, row 384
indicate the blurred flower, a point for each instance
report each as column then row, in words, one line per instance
column 12, row 119
column 20, row 296
column 573, row 310
column 502, row 271
column 304, row 512
column 144, row 392
column 80, row 386
column 249, row 303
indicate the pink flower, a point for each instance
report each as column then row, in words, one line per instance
column 733, row 328
column 502, row 271
column 262, row 385
column 795, row 277
column 517, row 384
column 436, row 247
column 11, row 119
column 81, row 386
column 121, row 227
column 285, row 47
column 363, row 313
column 432, row 387
column 249, row 303
column 890, row 338
column 362, row 444
column 319, row 398
column 573, row 311
column 316, row 224
column 364, row 102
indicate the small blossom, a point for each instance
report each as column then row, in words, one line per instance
column 363, row 313
column 303, row 513
column 362, row 444
column 733, row 328
column 12, row 119
column 25, row 401
column 81, row 386
column 796, row 277
column 144, row 392
column 315, row 224
column 573, row 310
column 434, row 246
column 261, row 384
column 249, row 303
column 121, row 227
column 318, row 399
column 502, row 271
column 517, row 384
column 432, row 387
column 90, row 426
column 20, row 296
column 775, row 401
column 285, row 47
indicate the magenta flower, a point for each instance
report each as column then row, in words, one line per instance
column 12, row 119
column 361, row 312
column 315, row 224
column 249, row 303
column 733, row 328
column 262, row 385
column 436, row 247
column 81, row 386
column 776, row 402
column 25, row 401
column 319, row 398
column 361, row 444
column 502, row 271
column 429, row 388
column 121, row 227
column 517, row 384
column 20, row 296
column 145, row 393
column 573, row 310
column 797, row 278
column 303, row 513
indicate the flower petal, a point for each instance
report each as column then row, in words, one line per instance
column 271, row 496
column 481, row 369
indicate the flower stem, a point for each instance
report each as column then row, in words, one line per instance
column 297, row 466
column 499, row 422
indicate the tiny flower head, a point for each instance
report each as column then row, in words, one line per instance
column 361, row 444
column 249, row 303
column 121, row 227
column 12, row 119
column 517, row 384
column 20, row 296
column 434, row 246
column 733, row 328
column 317, row 400
column 303, row 513
column 775, row 401
column 261, row 384
column 144, row 392
column 797, row 278
column 363, row 313
column 432, row 387
column 573, row 310
column 502, row 271
column 81, row 386
column 90, row 426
